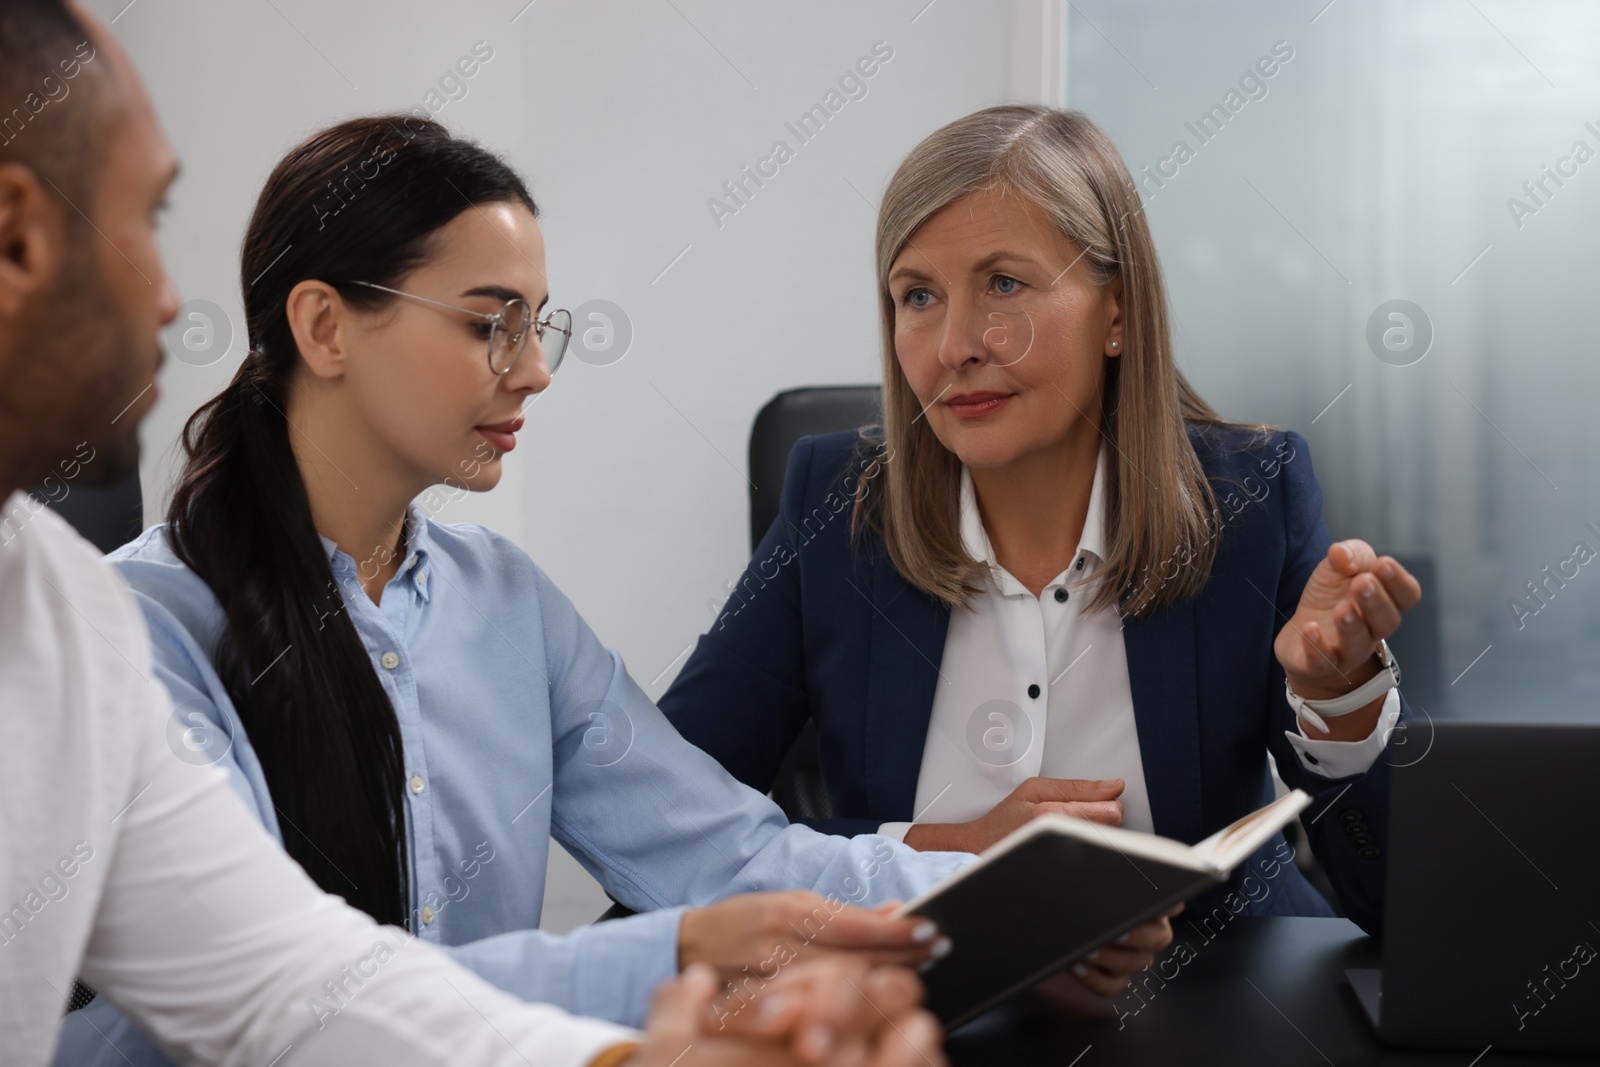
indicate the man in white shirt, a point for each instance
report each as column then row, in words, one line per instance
column 121, row 861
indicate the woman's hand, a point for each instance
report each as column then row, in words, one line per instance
column 828, row 1010
column 758, row 932
column 1084, row 799
column 1107, row 969
column 1353, row 600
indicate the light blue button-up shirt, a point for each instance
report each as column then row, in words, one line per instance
column 517, row 725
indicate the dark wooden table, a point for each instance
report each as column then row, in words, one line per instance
column 1263, row 991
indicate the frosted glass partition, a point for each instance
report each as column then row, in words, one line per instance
column 1378, row 223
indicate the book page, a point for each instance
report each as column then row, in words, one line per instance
column 1230, row 846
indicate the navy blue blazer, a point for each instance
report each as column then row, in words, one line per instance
column 823, row 627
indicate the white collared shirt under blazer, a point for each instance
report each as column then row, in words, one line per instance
column 1037, row 686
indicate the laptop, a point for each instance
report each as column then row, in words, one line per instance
column 1492, row 909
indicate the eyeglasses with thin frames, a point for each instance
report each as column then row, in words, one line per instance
column 508, row 329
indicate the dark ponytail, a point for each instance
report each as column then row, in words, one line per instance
column 358, row 201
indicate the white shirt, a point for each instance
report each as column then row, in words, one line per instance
column 1036, row 686
column 125, row 863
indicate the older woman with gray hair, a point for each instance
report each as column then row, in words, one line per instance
column 1066, row 583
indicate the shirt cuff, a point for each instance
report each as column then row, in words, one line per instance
column 619, row 964
column 1342, row 759
column 895, row 830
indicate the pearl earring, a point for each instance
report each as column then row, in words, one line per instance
column 1115, row 344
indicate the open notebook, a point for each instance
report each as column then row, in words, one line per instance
column 1054, row 890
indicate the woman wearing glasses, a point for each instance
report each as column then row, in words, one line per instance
column 413, row 708
column 1056, row 579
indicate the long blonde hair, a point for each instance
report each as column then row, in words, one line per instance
column 1066, row 165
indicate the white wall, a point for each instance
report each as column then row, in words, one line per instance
column 629, row 484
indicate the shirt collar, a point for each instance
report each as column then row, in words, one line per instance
column 416, row 550
column 975, row 538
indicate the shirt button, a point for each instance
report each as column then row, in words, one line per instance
column 1033, row 691
column 1080, row 564
column 427, row 915
column 417, row 784
column 422, row 577
column 1061, row 596
column 390, row 660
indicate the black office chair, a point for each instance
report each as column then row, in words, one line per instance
column 108, row 516
column 787, row 417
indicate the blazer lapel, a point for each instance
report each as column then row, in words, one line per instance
column 1162, row 675
column 908, row 632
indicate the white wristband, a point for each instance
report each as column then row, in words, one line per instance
column 1317, row 712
